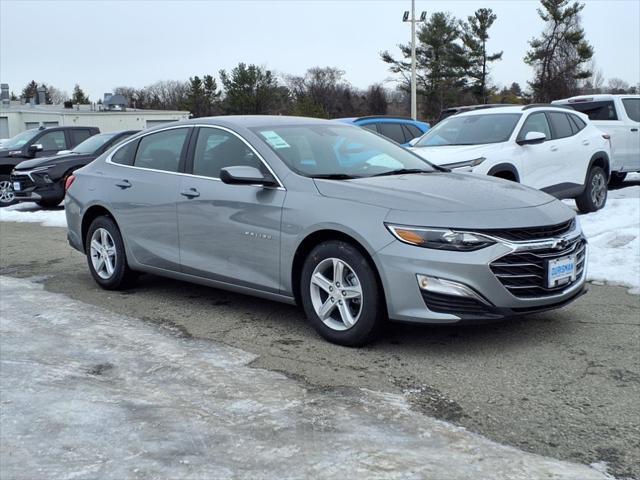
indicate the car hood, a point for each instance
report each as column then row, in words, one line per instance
column 54, row 160
column 454, row 153
column 448, row 199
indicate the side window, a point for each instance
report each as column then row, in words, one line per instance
column 415, row 131
column 536, row 122
column 162, row 150
column 126, row 154
column 392, row 131
column 217, row 149
column 560, row 124
column 604, row 110
column 79, row 136
column 577, row 123
column 371, row 126
column 632, row 107
column 53, row 141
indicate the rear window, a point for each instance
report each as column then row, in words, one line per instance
column 125, row 155
column 560, row 124
column 79, row 136
column 392, row 131
column 632, row 107
column 577, row 123
column 604, row 110
column 415, row 131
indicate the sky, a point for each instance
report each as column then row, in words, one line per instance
column 105, row 44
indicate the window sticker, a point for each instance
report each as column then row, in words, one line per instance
column 275, row 140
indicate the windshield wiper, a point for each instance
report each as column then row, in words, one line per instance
column 401, row 171
column 334, row 176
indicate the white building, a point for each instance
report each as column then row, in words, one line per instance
column 16, row 116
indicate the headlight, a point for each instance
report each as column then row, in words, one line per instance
column 440, row 238
column 42, row 173
column 467, row 163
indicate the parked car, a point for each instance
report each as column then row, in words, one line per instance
column 447, row 112
column 42, row 180
column 551, row 148
column 36, row 142
column 399, row 129
column 618, row 116
column 268, row 206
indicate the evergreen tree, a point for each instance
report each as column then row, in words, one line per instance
column 560, row 55
column 250, row 89
column 475, row 34
column 30, row 91
column 211, row 94
column 440, row 62
column 196, row 97
column 78, row 96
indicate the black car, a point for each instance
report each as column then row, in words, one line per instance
column 33, row 143
column 42, row 180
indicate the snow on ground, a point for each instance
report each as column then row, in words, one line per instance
column 87, row 393
column 30, row 212
column 613, row 234
column 614, row 240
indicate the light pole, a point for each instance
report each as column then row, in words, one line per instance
column 414, row 89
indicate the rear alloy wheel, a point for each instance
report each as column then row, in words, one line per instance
column 594, row 196
column 340, row 294
column 7, row 197
column 106, row 255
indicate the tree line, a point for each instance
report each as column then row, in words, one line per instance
column 453, row 68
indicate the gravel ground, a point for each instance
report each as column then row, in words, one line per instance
column 563, row 384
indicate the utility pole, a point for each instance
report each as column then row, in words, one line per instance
column 414, row 88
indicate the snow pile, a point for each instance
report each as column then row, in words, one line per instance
column 30, row 212
column 614, row 240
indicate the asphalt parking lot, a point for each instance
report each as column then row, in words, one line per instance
column 563, row 384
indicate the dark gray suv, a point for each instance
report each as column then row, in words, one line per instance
column 351, row 226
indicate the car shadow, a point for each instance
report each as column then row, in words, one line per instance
column 625, row 184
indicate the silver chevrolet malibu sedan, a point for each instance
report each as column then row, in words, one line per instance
column 346, row 223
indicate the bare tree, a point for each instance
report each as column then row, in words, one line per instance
column 617, row 85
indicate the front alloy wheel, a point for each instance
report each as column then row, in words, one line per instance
column 336, row 294
column 7, row 197
column 341, row 294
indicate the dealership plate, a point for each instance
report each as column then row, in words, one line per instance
column 16, row 186
column 561, row 270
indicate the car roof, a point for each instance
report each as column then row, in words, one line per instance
column 256, row 121
column 596, row 97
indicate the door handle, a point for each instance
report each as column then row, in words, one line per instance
column 123, row 184
column 585, row 142
column 634, row 129
column 553, row 148
column 190, row 193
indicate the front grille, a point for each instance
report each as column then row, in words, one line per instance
column 454, row 305
column 531, row 233
column 25, row 181
column 524, row 274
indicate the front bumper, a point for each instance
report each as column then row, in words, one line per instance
column 34, row 190
column 494, row 298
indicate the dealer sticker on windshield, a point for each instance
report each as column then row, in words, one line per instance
column 561, row 270
column 275, row 140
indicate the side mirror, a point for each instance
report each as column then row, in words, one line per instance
column 241, row 175
column 532, row 138
column 36, row 147
column 413, row 141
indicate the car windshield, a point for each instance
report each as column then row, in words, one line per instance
column 92, row 144
column 339, row 151
column 21, row 139
column 471, row 130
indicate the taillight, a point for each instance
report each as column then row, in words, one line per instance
column 69, row 181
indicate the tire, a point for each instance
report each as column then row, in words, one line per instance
column 50, row 203
column 617, row 178
column 119, row 276
column 355, row 293
column 7, row 196
column 594, row 196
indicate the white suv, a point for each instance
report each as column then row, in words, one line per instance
column 552, row 148
column 619, row 116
